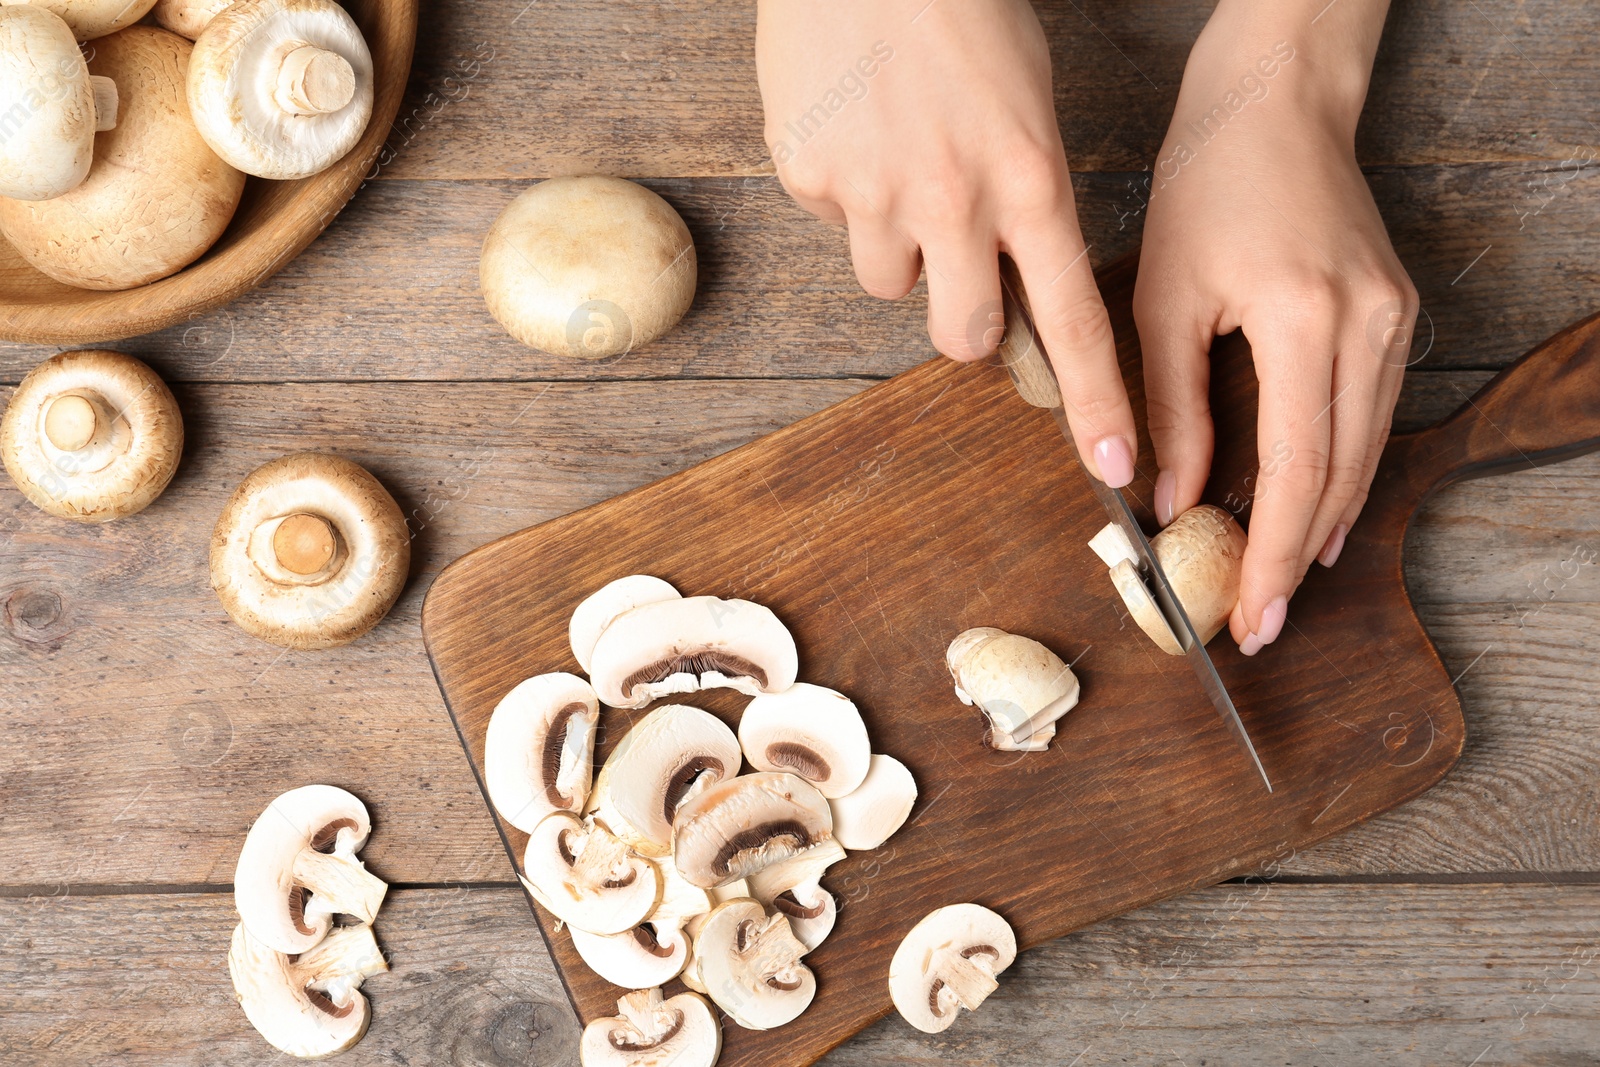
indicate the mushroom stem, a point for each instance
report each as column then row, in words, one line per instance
column 304, row 543
column 105, row 103
column 340, row 962
column 70, row 422
column 642, row 1009
column 968, row 982
column 599, row 859
column 339, row 885
column 314, row 81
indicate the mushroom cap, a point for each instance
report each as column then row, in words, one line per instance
column 1018, row 683
column 128, row 430
column 584, row 876
column 740, row 826
column 331, row 605
column 811, row 731
column 187, row 18
column 650, row 1032
column 156, row 197
column 588, row 267
column 92, row 18
column 750, row 964
column 538, row 753
column 948, row 961
column 308, row 1007
column 242, row 66
column 1202, row 554
column 870, row 814
column 633, row 959
column 692, row 643
column 50, row 121
column 601, row 607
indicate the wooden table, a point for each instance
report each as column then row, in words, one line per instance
column 142, row 731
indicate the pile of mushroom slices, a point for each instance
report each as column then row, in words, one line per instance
column 671, row 863
column 296, row 974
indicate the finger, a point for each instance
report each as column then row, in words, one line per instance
column 1175, row 337
column 887, row 263
column 963, row 293
column 1381, row 425
column 823, row 207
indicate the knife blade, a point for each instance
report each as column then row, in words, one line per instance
column 1025, row 360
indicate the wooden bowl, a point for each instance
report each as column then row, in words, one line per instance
column 275, row 221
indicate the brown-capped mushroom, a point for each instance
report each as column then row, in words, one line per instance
column 648, row 1031
column 310, row 552
column 948, row 962
column 47, row 135
column 742, row 825
column 538, row 752
column 187, row 18
column 91, row 436
column 90, row 19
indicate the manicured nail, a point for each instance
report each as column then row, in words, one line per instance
column 1273, row 618
column 1250, row 645
column 1166, row 490
column 1114, row 459
column 1330, row 551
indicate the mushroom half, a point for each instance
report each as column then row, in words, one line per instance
column 742, row 825
column 306, row 1005
column 870, row 814
column 793, row 888
column 948, row 962
column 90, row 19
column 750, row 964
column 586, row 877
column 650, row 1032
column 56, row 106
column 1018, row 683
column 298, row 868
column 692, row 643
column 601, row 607
column 538, row 752
column 811, row 731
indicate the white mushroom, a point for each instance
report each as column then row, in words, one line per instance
column 691, row 643
column 306, row 1005
column 281, row 88
column 51, row 106
column 1018, row 684
column 750, row 964
column 187, row 18
column 670, row 755
column 793, row 887
column 92, row 18
column 868, row 816
column 91, row 436
column 633, row 959
column 811, row 731
column 1202, row 554
column 538, row 752
column 650, row 1032
column 298, row 868
column 948, row 962
column 745, row 824
column 600, row 607
column 587, row 878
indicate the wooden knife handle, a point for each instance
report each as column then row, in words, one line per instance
column 1021, row 350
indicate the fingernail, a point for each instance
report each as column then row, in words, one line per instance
column 1330, row 551
column 1273, row 618
column 1166, row 490
column 1250, row 645
column 1114, row 459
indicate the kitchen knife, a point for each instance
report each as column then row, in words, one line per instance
column 1025, row 359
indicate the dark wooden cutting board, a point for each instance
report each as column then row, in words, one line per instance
column 880, row 528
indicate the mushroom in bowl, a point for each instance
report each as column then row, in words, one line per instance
column 90, row 19
column 49, row 140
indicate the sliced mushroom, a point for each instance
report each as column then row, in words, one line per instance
column 811, row 731
column 91, row 436
column 47, row 135
column 90, row 19
column 1018, row 684
column 1038, row 741
column 306, row 1005
column 870, row 814
column 310, row 552
column 948, row 962
column 742, row 825
column 601, row 607
column 750, row 964
column 633, row 959
column 650, row 1032
column 281, row 88
column 586, row 877
column 1202, row 554
column 298, row 868
column 538, row 753
column 691, row 643
column 670, row 755
column 187, row 18
column 721, row 894
column 793, row 888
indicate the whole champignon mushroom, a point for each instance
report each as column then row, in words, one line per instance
column 310, row 552
column 281, row 88
column 1202, row 554
column 948, row 962
column 692, row 643
column 90, row 19
column 1019, row 684
column 811, row 731
column 793, row 888
column 749, row 962
column 306, row 1005
column 601, row 607
column 298, row 868
column 538, row 752
column 650, row 1032
column 586, row 877
column 187, row 18
column 91, row 436
column 156, row 197
column 742, row 825
column 869, row 815
column 57, row 107
column 588, row 267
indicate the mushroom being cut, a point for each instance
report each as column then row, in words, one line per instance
column 691, row 643
column 742, row 825
column 948, row 962
column 298, row 868
column 673, row 753
column 90, row 19
column 1202, row 555
column 187, row 18
column 310, row 552
column 870, row 814
column 588, row 267
column 1018, row 684
column 52, row 105
column 586, row 877
column 306, row 1005
column 793, row 888
column 750, row 964
column 811, row 731
column 281, row 88
column 601, row 607
column 91, row 436
column 648, row 1031
column 538, row 753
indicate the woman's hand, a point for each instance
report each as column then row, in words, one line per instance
column 1261, row 220
column 930, row 130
